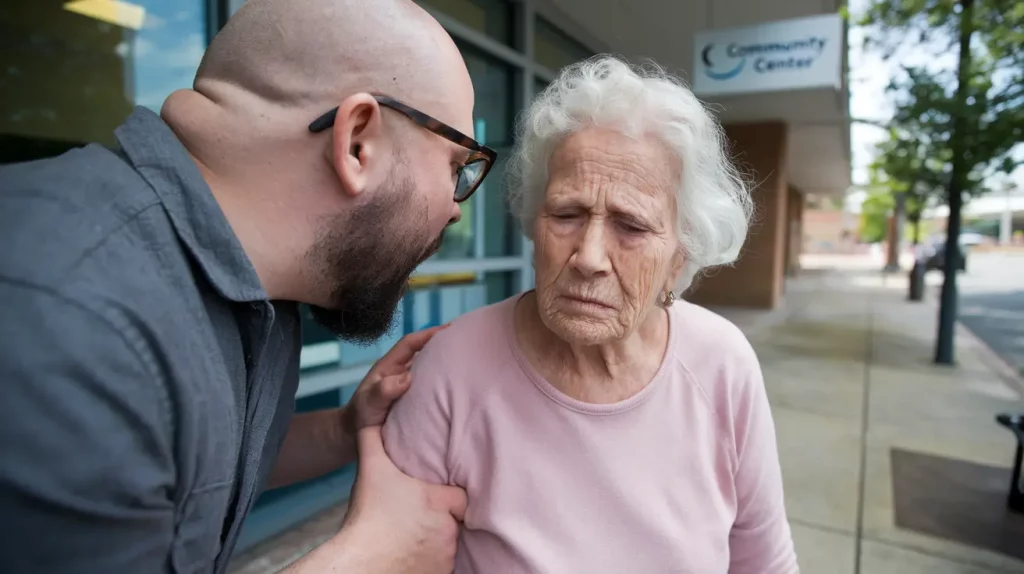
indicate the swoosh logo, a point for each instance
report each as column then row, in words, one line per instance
column 705, row 55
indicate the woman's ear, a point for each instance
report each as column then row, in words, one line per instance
column 358, row 145
column 675, row 268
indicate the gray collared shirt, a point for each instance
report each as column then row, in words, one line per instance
column 147, row 381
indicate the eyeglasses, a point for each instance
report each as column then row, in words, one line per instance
column 470, row 174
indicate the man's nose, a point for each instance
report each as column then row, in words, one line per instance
column 591, row 257
column 456, row 214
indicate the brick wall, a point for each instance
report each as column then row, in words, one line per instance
column 755, row 280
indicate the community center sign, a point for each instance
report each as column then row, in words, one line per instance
column 787, row 55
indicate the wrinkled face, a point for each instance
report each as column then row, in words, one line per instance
column 605, row 245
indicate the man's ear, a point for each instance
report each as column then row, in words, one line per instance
column 357, row 142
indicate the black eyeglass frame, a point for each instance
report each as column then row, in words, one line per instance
column 477, row 149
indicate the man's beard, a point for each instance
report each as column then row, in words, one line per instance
column 367, row 257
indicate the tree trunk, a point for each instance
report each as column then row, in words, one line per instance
column 945, row 344
column 892, row 262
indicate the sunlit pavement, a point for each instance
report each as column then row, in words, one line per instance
column 892, row 465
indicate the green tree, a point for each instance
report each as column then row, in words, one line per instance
column 874, row 215
column 912, row 169
column 971, row 117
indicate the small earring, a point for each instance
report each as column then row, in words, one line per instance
column 670, row 298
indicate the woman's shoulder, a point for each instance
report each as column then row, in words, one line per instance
column 474, row 341
column 706, row 334
column 714, row 353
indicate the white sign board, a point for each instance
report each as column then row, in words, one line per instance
column 787, row 55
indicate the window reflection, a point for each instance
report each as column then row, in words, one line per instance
column 554, row 49
column 71, row 71
column 486, row 211
column 539, row 86
column 492, row 17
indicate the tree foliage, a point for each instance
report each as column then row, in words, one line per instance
column 925, row 99
column 971, row 113
column 874, row 215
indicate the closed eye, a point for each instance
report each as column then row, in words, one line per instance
column 630, row 228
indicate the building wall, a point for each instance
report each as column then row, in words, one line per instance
column 823, row 231
column 512, row 50
column 756, row 279
column 94, row 72
column 794, row 236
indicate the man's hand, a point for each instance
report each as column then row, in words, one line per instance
column 387, row 380
column 418, row 521
column 319, row 442
column 394, row 525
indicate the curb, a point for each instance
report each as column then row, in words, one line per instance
column 992, row 360
column 998, row 365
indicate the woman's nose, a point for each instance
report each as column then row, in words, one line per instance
column 591, row 257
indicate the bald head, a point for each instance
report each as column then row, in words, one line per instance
column 371, row 194
column 300, row 57
column 297, row 52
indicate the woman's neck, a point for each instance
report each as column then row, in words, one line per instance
column 604, row 373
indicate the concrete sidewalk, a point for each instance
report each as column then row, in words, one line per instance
column 891, row 464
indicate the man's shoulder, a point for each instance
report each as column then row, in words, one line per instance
column 56, row 213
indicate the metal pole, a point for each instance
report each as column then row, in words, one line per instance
column 1006, row 221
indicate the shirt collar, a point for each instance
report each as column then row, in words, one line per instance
column 162, row 160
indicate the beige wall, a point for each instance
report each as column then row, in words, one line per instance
column 756, row 280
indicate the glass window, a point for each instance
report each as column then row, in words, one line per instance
column 554, row 49
column 501, row 285
column 485, row 215
column 492, row 17
column 503, row 237
column 539, row 86
column 72, row 71
column 320, row 348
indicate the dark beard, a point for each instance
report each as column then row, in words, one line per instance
column 368, row 257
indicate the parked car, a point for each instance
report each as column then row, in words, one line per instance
column 970, row 239
column 933, row 255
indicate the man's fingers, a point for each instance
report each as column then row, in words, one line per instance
column 407, row 347
column 450, row 498
column 389, row 389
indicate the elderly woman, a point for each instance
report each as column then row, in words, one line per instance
column 597, row 423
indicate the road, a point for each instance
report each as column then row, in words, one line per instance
column 992, row 303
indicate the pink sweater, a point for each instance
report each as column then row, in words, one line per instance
column 682, row 477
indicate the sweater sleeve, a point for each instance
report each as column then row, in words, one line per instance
column 760, row 541
column 418, row 428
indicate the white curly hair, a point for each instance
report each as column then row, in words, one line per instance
column 713, row 202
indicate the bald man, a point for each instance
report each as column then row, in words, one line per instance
column 149, row 331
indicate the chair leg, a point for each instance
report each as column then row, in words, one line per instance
column 1016, row 498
